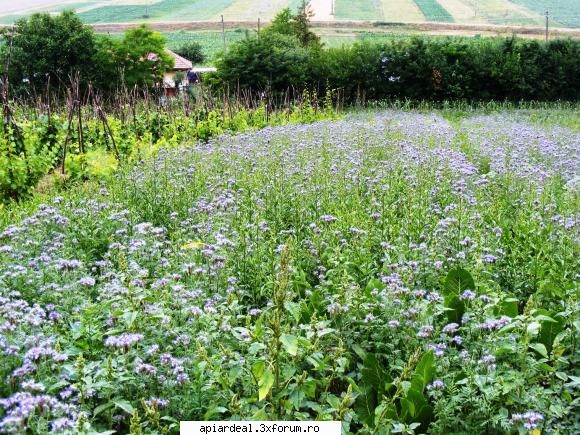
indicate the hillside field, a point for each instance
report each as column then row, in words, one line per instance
column 563, row 13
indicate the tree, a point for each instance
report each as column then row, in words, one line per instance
column 47, row 47
column 273, row 61
column 143, row 57
column 192, row 51
column 302, row 26
column 297, row 25
column 283, row 23
column 138, row 60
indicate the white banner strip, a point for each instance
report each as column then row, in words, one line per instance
column 260, row 427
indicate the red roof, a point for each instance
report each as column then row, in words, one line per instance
column 181, row 63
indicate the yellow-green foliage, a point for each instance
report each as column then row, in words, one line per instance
column 138, row 138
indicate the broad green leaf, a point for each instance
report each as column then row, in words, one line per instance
column 509, row 307
column 549, row 330
column 426, row 367
column 540, row 348
column 533, row 329
column 417, row 382
column 407, row 409
column 129, row 318
column 359, row 351
column 214, row 410
column 260, row 415
column 366, row 404
column 425, row 416
column 265, row 384
column 294, row 308
column 373, row 375
column 290, row 343
column 125, row 406
column 550, row 289
column 544, row 318
column 457, row 281
column 102, row 408
column 258, row 369
column 456, row 308
column 374, row 283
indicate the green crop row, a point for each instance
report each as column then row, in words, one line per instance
column 433, row 11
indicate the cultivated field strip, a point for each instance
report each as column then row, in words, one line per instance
column 563, row 13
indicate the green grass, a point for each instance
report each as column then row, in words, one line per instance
column 566, row 12
column 178, row 10
column 358, row 10
column 433, row 11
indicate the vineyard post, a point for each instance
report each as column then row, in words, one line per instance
column 70, row 119
column 224, row 32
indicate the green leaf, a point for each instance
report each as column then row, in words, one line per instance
column 455, row 306
column 366, row 404
column 540, row 348
column 125, row 406
column 548, row 332
column 294, row 308
column 425, row 416
column 550, row 326
column 407, row 409
column 374, row 283
column 359, row 351
column 260, row 415
column 509, row 307
column 373, row 375
column 426, row 367
column 265, row 384
column 102, row 408
column 457, row 281
column 258, row 369
column 290, row 343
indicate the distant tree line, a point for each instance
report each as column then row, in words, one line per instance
column 48, row 51
column 287, row 55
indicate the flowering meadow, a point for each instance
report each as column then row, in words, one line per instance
column 402, row 272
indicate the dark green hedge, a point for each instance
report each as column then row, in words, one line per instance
column 419, row 68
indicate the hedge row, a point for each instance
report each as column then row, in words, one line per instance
column 418, row 68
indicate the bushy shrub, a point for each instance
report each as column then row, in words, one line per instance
column 272, row 61
column 418, row 68
column 192, row 51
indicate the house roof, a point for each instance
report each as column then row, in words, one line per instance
column 181, row 63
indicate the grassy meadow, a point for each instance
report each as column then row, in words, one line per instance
column 399, row 270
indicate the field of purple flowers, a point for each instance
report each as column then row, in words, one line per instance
column 401, row 272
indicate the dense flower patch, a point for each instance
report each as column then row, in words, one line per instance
column 397, row 272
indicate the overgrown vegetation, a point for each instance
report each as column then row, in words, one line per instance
column 44, row 53
column 397, row 272
column 400, row 271
column 416, row 68
column 80, row 142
